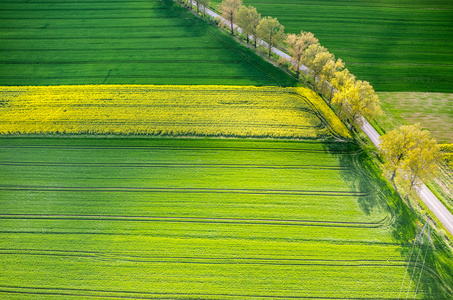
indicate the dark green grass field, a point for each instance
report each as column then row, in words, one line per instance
column 48, row 42
column 403, row 45
column 204, row 219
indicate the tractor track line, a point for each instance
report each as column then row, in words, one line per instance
column 188, row 219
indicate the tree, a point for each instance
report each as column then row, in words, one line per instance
column 204, row 3
column 356, row 100
column 394, row 146
column 248, row 19
column 315, row 57
column 410, row 153
column 271, row 31
column 420, row 163
column 323, row 83
column 297, row 44
column 341, row 79
column 229, row 9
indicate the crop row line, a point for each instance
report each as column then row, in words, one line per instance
column 122, row 9
column 186, row 190
column 185, row 49
column 140, row 255
column 122, row 17
column 123, row 294
column 88, row 27
column 189, row 220
column 110, row 122
column 94, row 232
column 115, row 37
column 125, row 104
column 202, row 261
column 127, row 76
column 75, row 62
column 78, row 1
column 167, row 165
column 185, row 148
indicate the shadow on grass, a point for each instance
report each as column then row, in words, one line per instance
column 250, row 64
column 436, row 282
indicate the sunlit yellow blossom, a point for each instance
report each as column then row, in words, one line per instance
column 241, row 111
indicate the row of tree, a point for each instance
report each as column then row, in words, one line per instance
column 411, row 155
column 353, row 98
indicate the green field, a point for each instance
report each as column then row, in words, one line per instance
column 402, row 45
column 204, row 218
column 51, row 42
column 434, row 111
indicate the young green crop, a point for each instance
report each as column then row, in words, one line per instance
column 402, row 46
column 133, row 42
column 202, row 218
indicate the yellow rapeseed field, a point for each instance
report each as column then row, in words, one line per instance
column 241, row 111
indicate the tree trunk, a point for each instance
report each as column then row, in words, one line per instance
column 232, row 29
column 409, row 191
column 393, row 175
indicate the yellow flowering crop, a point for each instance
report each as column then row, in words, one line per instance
column 241, row 111
column 335, row 124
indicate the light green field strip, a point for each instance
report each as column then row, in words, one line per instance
column 166, row 110
column 249, row 233
column 434, row 111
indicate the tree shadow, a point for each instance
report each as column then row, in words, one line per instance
column 247, row 64
column 354, row 169
column 361, row 173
